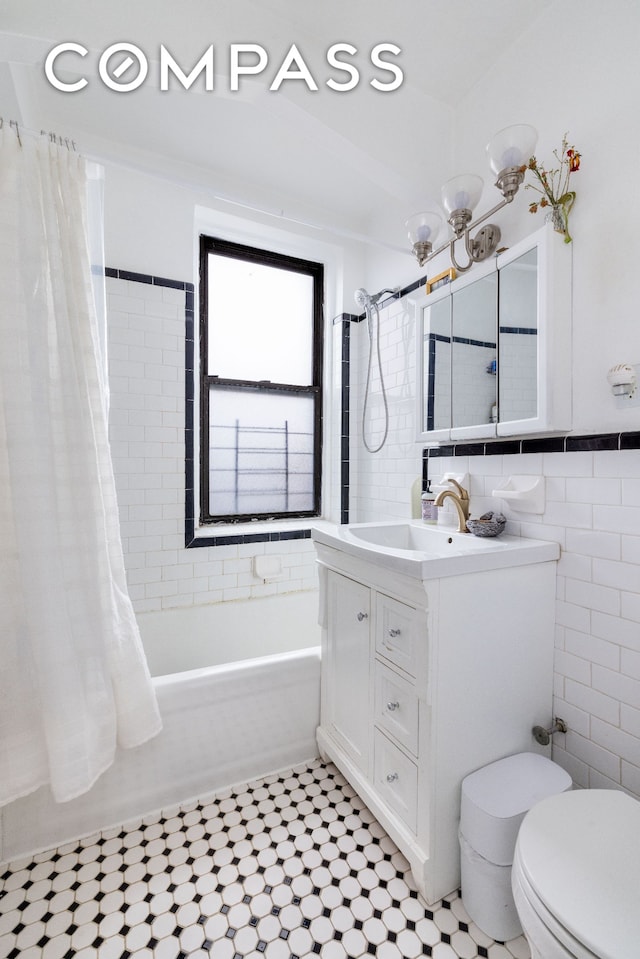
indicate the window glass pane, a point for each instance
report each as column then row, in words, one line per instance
column 261, row 452
column 260, row 322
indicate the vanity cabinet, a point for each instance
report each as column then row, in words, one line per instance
column 424, row 682
column 347, row 686
column 494, row 346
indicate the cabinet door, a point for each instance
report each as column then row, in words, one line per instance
column 434, row 361
column 348, row 666
column 473, row 356
column 534, row 363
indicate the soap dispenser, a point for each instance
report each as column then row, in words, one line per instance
column 429, row 510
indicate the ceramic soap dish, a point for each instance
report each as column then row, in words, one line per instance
column 489, row 524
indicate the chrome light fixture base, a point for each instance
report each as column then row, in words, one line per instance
column 422, row 251
column 485, row 242
column 459, row 220
column 509, row 181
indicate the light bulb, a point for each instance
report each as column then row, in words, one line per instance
column 462, row 192
column 424, row 227
column 512, row 147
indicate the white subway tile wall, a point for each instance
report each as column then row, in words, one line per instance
column 146, row 325
column 380, row 483
column 592, row 510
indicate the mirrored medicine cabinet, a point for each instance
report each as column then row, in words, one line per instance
column 493, row 350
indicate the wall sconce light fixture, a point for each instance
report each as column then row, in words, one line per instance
column 509, row 153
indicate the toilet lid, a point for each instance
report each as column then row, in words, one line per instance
column 580, row 852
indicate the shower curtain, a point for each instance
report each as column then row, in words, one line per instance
column 74, row 684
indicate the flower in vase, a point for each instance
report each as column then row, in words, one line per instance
column 553, row 185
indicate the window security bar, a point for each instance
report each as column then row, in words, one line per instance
column 242, row 449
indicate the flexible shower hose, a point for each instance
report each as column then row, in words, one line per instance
column 374, row 336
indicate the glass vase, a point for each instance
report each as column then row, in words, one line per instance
column 558, row 215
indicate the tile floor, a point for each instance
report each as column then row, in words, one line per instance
column 287, row 867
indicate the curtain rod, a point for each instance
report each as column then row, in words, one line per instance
column 53, row 137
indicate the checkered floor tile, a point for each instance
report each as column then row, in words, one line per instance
column 287, row 867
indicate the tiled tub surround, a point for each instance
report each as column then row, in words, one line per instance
column 149, row 322
column 286, row 867
column 380, row 483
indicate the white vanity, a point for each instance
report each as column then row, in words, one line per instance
column 436, row 660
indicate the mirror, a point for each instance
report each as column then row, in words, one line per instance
column 518, row 338
column 494, row 346
column 436, row 414
column 473, row 352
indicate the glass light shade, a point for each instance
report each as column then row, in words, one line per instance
column 462, row 192
column 513, row 146
column 424, row 227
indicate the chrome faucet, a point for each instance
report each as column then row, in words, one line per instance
column 460, row 500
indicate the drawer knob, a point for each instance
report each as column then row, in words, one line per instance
column 393, row 706
column 362, row 616
column 394, row 632
column 391, row 777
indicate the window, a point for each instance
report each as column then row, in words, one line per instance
column 260, row 383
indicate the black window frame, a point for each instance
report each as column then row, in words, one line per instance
column 222, row 247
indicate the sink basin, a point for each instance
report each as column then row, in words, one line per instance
column 424, row 539
column 428, row 552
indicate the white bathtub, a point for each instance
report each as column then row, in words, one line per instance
column 223, row 722
column 179, row 639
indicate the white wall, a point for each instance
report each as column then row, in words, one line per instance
column 569, row 74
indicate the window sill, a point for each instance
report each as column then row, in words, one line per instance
column 258, row 532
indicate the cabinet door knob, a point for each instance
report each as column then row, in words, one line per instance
column 394, row 632
column 362, row 616
column 391, row 777
column 393, row 706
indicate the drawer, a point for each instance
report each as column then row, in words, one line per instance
column 396, row 706
column 396, row 779
column 397, row 632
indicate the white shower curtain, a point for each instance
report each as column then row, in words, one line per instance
column 74, row 683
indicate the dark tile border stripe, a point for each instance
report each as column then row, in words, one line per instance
column 519, row 330
column 540, row 444
column 345, row 422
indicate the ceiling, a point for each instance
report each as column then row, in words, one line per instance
column 342, row 153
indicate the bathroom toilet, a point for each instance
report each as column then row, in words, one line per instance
column 576, row 876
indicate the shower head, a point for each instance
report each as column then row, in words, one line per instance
column 366, row 300
column 362, row 298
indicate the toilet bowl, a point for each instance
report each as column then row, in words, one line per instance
column 576, row 876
